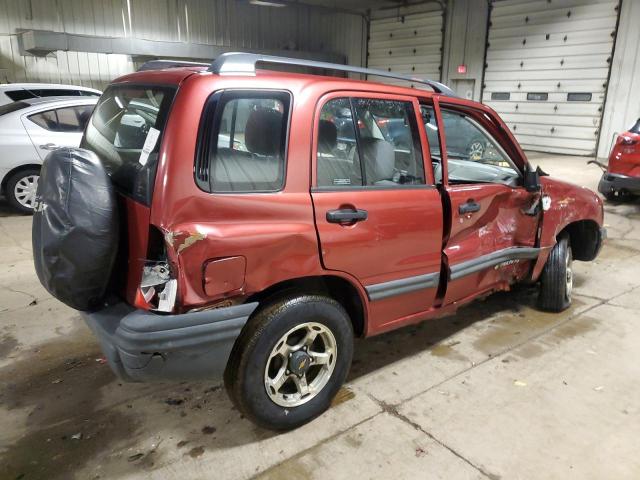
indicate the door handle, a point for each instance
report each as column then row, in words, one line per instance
column 49, row 146
column 346, row 215
column 469, row 207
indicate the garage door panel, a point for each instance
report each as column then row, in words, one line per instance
column 538, row 40
column 545, row 119
column 407, row 44
column 556, row 74
column 561, row 50
column 543, row 17
column 554, row 28
column 510, row 7
column 568, row 108
column 521, row 87
column 554, row 144
column 553, row 62
column 539, row 52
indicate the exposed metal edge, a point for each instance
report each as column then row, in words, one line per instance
column 238, row 63
column 402, row 286
column 492, row 259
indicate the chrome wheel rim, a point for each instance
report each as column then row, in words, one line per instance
column 476, row 150
column 25, row 190
column 300, row 364
column 568, row 274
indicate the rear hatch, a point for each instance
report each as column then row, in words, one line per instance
column 125, row 132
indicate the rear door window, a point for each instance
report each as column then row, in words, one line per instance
column 67, row 119
column 245, row 138
column 368, row 142
column 126, row 119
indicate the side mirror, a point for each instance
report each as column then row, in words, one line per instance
column 531, row 181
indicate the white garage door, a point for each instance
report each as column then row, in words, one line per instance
column 409, row 44
column 547, row 68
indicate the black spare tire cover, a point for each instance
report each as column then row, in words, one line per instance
column 75, row 228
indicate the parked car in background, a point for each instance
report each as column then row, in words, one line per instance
column 245, row 224
column 29, row 130
column 14, row 92
column 621, row 178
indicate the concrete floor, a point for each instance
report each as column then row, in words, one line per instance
column 498, row 391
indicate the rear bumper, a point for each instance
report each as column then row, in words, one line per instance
column 615, row 182
column 143, row 346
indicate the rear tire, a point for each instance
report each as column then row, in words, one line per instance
column 21, row 189
column 255, row 364
column 556, row 282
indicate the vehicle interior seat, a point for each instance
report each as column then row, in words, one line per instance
column 379, row 160
column 260, row 167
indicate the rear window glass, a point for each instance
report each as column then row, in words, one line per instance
column 126, row 119
column 246, row 143
column 12, row 107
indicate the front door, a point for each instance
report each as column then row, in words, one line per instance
column 377, row 211
column 492, row 219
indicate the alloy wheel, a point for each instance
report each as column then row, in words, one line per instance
column 300, row 364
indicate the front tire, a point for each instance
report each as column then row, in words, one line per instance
column 556, row 281
column 21, row 189
column 290, row 361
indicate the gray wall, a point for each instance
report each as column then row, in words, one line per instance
column 464, row 44
column 222, row 23
column 622, row 107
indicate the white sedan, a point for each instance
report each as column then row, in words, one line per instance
column 29, row 130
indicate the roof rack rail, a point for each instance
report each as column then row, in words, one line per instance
column 241, row 63
column 162, row 64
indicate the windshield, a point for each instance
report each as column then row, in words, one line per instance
column 125, row 131
column 636, row 127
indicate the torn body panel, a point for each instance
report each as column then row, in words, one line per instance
column 567, row 205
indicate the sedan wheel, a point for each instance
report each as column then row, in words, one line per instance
column 21, row 189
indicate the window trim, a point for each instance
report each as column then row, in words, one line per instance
column 355, row 94
column 210, row 120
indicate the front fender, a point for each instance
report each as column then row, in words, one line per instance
column 568, row 204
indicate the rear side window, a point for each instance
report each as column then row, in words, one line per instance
column 368, row 142
column 25, row 93
column 67, row 119
column 243, row 142
column 125, row 132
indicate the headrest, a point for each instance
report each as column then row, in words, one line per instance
column 327, row 136
column 379, row 157
column 262, row 133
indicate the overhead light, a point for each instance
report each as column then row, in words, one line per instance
column 265, row 3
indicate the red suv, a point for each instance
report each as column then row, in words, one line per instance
column 228, row 221
column 621, row 179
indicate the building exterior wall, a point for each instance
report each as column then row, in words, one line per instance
column 221, row 23
column 622, row 107
column 464, row 44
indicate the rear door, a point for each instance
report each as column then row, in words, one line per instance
column 377, row 211
column 492, row 219
column 57, row 127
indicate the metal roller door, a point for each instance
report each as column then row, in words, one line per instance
column 409, row 44
column 547, row 69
